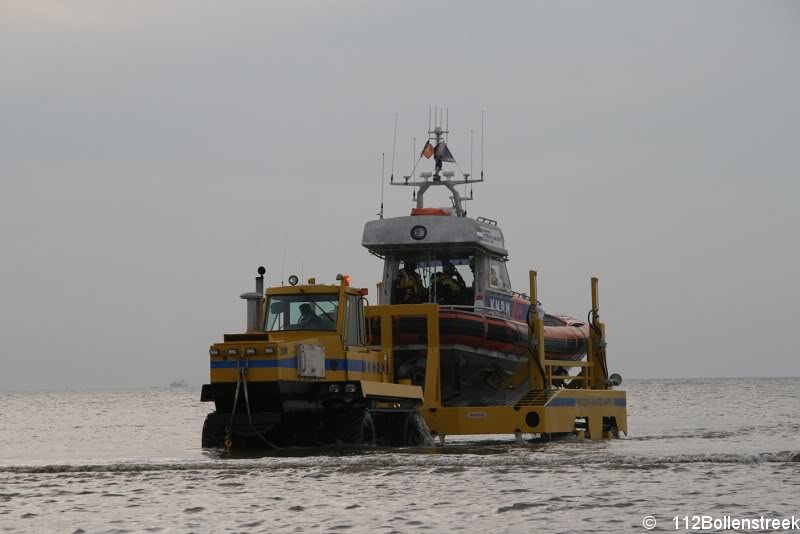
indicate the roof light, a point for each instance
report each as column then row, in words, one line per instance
column 293, row 280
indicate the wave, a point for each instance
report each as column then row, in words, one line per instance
column 432, row 459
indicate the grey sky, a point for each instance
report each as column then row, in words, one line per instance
column 153, row 154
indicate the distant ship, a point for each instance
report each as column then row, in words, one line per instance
column 180, row 383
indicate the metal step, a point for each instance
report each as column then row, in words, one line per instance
column 535, row 398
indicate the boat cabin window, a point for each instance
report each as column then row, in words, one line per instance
column 467, row 273
column 447, row 282
column 498, row 275
column 302, row 312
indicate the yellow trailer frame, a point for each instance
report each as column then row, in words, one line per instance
column 592, row 408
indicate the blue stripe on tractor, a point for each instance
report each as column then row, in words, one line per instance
column 234, row 364
column 358, row 366
column 558, row 401
column 566, row 401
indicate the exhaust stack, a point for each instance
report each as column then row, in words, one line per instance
column 255, row 315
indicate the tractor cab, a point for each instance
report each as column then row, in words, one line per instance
column 293, row 312
column 303, row 372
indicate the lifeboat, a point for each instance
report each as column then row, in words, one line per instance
column 484, row 357
column 439, row 254
column 565, row 337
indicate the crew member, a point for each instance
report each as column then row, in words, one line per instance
column 308, row 318
column 449, row 285
column 450, row 270
column 409, row 284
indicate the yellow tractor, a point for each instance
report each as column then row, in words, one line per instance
column 304, row 373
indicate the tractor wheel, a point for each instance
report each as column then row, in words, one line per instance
column 415, row 431
column 213, row 436
column 357, row 428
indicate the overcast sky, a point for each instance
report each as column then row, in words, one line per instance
column 154, row 154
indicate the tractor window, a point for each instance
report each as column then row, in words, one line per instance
column 302, row 312
column 353, row 321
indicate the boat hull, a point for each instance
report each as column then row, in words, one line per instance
column 484, row 358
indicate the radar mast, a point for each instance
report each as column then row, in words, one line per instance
column 438, row 177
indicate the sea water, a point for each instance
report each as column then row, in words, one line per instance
column 130, row 461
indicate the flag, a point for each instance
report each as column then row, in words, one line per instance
column 427, row 150
column 443, row 153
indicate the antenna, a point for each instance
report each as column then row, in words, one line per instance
column 471, row 150
column 383, row 173
column 414, row 157
column 302, row 271
column 481, row 144
column 283, row 263
column 447, row 124
column 394, row 149
column 429, row 120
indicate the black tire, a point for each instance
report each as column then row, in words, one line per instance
column 213, row 436
column 418, row 377
column 357, row 428
column 610, row 426
column 390, row 428
column 415, row 431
